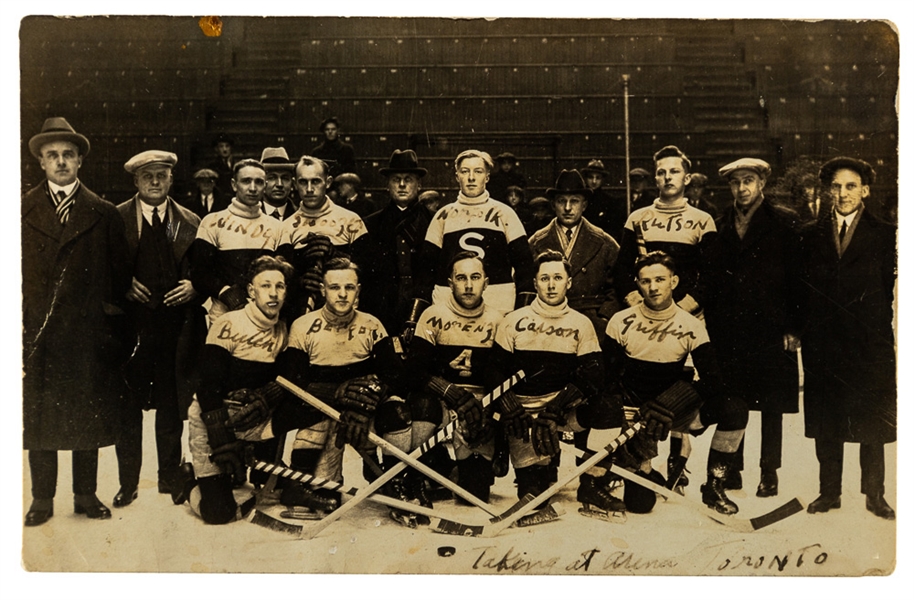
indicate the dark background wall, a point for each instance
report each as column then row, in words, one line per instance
column 548, row 90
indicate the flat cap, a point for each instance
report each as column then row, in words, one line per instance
column 639, row 172
column 151, row 157
column 761, row 168
column 206, row 174
column 861, row 167
column 351, row 178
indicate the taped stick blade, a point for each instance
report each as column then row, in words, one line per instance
column 779, row 514
column 454, row 528
column 262, row 519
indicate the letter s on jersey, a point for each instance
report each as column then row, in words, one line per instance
column 464, row 243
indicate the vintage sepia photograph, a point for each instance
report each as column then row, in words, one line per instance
column 435, row 295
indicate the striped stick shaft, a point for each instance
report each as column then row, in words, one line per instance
column 281, row 471
column 642, row 246
column 446, row 432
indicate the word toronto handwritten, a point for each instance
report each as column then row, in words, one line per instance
column 655, row 331
column 587, row 562
column 790, row 559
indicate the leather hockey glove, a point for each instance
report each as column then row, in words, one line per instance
column 311, row 281
column 358, row 399
column 234, row 297
column 227, row 452
column 415, row 312
column 545, row 435
column 675, row 404
column 318, row 248
column 468, row 408
column 514, row 417
column 256, row 406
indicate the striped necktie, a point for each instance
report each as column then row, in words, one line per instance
column 63, row 204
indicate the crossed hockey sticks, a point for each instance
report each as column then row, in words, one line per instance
column 411, row 459
column 742, row 525
column 528, row 503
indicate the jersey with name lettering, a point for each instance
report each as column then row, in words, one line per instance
column 548, row 343
column 487, row 227
column 240, row 352
column 227, row 241
column 454, row 343
column 679, row 229
column 655, row 345
column 341, row 225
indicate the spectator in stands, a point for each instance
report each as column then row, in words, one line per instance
column 207, row 198
column 504, row 176
column 541, row 213
column 223, row 163
column 339, row 156
column 432, row 201
column 603, row 210
column 642, row 192
column 699, row 196
column 278, row 201
column 516, row 199
column 347, row 193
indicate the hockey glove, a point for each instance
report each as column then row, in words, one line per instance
column 545, row 427
column 227, row 452
column 234, row 297
column 676, row 405
column 311, row 281
column 514, row 417
column 358, row 399
column 318, row 248
column 465, row 404
column 256, row 406
column 415, row 312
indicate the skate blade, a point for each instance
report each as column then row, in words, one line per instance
column 302, row 514
column 543, row 515
column 617, row 516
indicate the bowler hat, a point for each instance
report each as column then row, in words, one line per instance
column 762, row 168
column 862, row 168
column 569, row 182
column 56, row 129
column 276, row 159
column 595, row 166
column 403, row 161
column 151, row 157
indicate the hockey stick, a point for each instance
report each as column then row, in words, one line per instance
column 528, row 504
column 743, row 525
column 406, row 460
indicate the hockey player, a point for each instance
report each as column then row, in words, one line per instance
column 485, row 226
column 558, row 350
column 338, row 353
column 238, row 399
column 645, row 348
column 316, row 232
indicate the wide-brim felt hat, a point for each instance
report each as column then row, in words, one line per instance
column 861, row 167
column 276, row 159
column 595, row 166
column 569, row 182
column 57, row 129
column 403, row 161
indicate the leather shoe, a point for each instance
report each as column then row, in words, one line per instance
column 824, row 504
column 39, row 512
column 124, row 497
column 879, row 507
column 768, row 485
column 91, row 506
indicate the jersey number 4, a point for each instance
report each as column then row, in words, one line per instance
column 463, row 363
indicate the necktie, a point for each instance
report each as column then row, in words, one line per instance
column 156, row 221
column 568, row 234
column 276, row 214
column 63, row 206
column 843, row 232
column 206, row 202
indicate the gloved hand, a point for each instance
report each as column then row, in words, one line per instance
column 234, row 297
column 514, row 417
column 311, row 281
column 317, row 249
column 545, row 435
column 358, row 399
column 658, row 420
column 227, row 452
column 256, row 406
column 352, row 429
column 468, row 408
column 415, row 312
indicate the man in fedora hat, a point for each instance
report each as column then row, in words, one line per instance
column 396, row 234
column 277, row 193
column 339, row 156
column 74, row 278
column 159, row 237
column 206, row 198
column 504, row 176
column 223, row 163
column 849, row 342
column 642, row 192
column 347, row 189
column 753, row 307
column 603, row 210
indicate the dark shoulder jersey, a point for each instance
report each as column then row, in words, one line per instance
column 461, row 345
column 548, row 343
column 337, row 351
column 656, row 345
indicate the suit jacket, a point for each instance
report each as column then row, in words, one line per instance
column 849, row 344
column 753, row 299
column 291, row 207
column 73, row 283
column 182, row 230
column 194, row 203
column 592, row 259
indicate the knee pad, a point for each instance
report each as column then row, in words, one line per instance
column 425, row 407
column 393, row 415
column 314, row 437
column 217, row 503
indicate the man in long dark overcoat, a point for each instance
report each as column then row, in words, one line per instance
column 753, row 307
column 848, row 344
column 74, row 276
